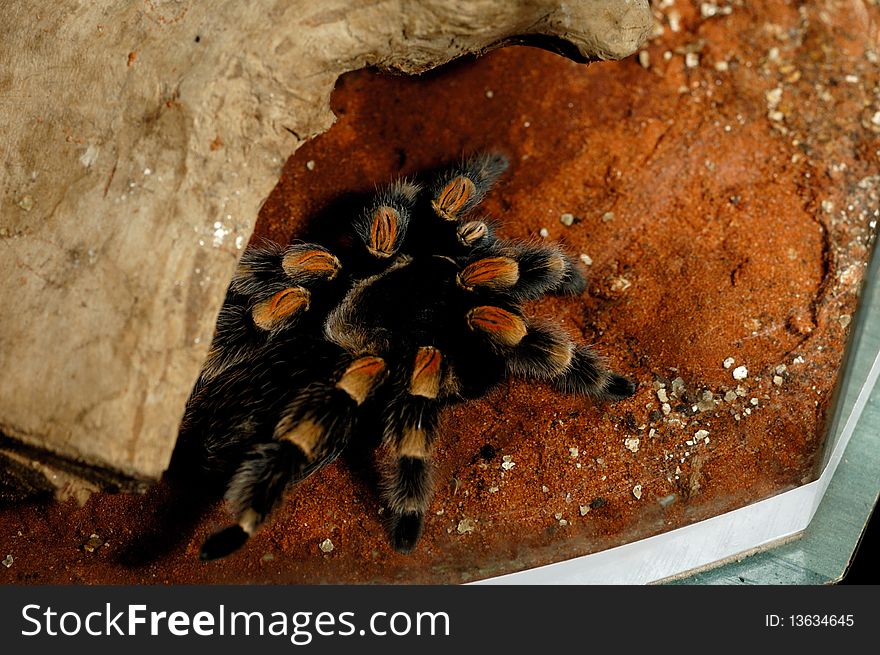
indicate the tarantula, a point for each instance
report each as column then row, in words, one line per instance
column 423, row 309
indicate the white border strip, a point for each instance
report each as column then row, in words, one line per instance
column 699, row 545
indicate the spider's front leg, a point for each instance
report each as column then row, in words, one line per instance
column 462, row 188
column 270, row 291
column 410, row 422
column 383, row 225
column 312, row 431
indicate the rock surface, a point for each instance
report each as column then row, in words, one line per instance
column 140, row 140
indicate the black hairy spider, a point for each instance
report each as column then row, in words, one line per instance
column 422, row 310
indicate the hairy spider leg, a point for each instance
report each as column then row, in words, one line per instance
column 543, row 268
column 547, row 353
column 383, row 225
column 240, row 406
column 312, row 431
column 536, row 350
column 265, row 270
column 476, row 234
column 460, row 189
column 522, row 271
column 588, row 375
column 270, row 291
column 410, row 424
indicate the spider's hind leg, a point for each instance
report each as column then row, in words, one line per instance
column 410, row 423
column 407, row 485
column 312, row 432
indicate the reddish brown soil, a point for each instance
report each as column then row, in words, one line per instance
column 702, row 211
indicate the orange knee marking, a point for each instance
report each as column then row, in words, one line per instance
column 271, row 312
column 361, row 377
column 413, row 443
column 383, row 232
column 492, row 272
column 500, row 325
column 306, row 435
column 425, row 379
column 316, row 262
column 557, row 263
column 454, row 196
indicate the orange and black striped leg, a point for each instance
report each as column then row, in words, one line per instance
column 587, row 374
column 502, row 328
column 461, row 189
column 382, row 227
column 547, row 353
column 407, row 485
column 269, row 292
column 271, row 268
column 312, row 432
column 410, row 422
column 475, row 234
column 543, row 269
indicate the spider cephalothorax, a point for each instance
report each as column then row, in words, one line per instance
column 424, row 310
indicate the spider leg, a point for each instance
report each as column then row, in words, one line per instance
column 543, row 269
column 546, row 269
column 382, row 226
column 521, row 272
column 265, row 270
column 475, row 234
column 503, row 328
column 463, row 187
column 410, row 423
column 544, row 351
column 227, row 414
column 407, row 485
column 269, row 292
column 589, row 375
column 547, row 353
column 312, row 431
column 537, row 350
